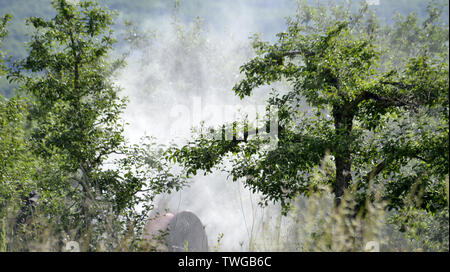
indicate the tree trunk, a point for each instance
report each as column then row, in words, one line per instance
column 343, row 175
column 343, row 122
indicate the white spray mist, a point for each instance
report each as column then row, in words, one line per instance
column 184, row 76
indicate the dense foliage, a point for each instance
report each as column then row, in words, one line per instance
column 63, row 134
column 362, row 109
column 379, row 108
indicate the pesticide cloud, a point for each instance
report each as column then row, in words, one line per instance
column 181, row 76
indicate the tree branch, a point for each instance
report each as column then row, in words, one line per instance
column 376, row 170
column 399, row 84
column 381, row 101
column 298, row 52
column 383, row 164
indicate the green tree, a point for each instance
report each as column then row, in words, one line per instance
column 372, row 97
column 76, row 129
column 3, row 32
column 17, row 163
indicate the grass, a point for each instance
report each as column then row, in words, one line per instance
column 313, row 224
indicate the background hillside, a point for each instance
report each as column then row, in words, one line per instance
column 269, row 17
